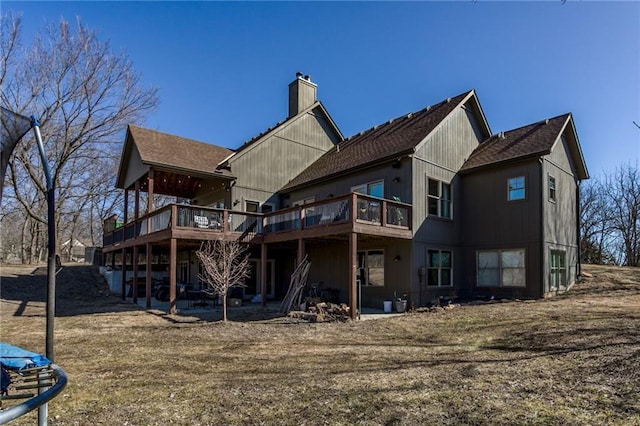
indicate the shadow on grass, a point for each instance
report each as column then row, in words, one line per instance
column 80, row 290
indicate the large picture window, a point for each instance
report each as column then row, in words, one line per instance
column 439, row 270
column 371, row 267
column 439, row 198
column 501, row 268
column 558, row 269
column 516, row 189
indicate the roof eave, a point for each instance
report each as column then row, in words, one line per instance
column 501, row 163
column 345, row 172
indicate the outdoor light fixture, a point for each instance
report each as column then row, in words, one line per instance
column 396, row 179
column 397, row 258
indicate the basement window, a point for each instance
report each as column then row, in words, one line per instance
column 558, row 277
column 501, row 268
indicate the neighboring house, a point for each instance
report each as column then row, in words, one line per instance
column 72, row 250
column 429, row 204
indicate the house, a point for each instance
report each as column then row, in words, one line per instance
column 73, row 250
column 430, row 204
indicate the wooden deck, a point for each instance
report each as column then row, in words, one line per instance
column 344, row 215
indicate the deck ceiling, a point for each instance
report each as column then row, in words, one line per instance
column 173, row 184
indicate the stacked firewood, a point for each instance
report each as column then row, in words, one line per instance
column 323, row 312
column 293, row 298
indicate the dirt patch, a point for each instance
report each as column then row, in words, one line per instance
column 573, row 359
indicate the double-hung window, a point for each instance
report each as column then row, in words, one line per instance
column 501, row 268
column 439, row 198
column 515, row 188
column 439, row 270
column 552, row 189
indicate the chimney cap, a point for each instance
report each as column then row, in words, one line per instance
column 298, row 74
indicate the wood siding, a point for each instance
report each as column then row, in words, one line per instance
column 267, row 165
column 560, row 231
column 135, row 168
column 330, row 265
column 343, row 184
column 440, row 157
column 491, row 222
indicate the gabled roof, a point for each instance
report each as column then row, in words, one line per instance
column 531, row 141
column 317, row 106
column 170, row 152
column 393, row 139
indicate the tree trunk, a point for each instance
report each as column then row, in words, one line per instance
column 224, row 308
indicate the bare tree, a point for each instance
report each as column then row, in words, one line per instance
column 225, row 264
column 84, row 96
column 624, row 196
column 596, row 223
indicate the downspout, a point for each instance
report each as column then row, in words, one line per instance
column 579, row 257
column 543, row 264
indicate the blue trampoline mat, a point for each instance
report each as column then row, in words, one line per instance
column 16, row 358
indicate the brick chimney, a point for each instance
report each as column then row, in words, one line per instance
column 302, row 94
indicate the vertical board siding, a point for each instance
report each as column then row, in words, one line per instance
column 268, row 164
column 560, row 231
column 343, row 184
column 440, row 157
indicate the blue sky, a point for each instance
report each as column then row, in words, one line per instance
column 223, row 68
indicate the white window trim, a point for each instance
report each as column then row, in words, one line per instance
column 257, row 203
column 501, row 269
column 555, row 188
column 439, row 198
column 561, row 283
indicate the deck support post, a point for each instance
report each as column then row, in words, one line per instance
column 134, row 285
column 124, row 274
column 148, row 274
column 263, row 273
column 353, row 277
column 301, row 250
column 149, row 198
column 136, row 201
column 173, row 255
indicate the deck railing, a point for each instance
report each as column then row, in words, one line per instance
column 357, row 207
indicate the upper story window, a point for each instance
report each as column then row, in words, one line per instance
column 552, row 189
column 515, row 188
column 251, row 206
column 439, row 198
column 375, row 189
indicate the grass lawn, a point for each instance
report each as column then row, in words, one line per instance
column 572, row 359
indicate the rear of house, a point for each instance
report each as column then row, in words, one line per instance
column 427, row 205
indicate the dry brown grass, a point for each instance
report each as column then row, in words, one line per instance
column 574, row 359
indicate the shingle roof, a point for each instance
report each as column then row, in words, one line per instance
column 172, row 151
column 386, row 141
column 528, row 141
